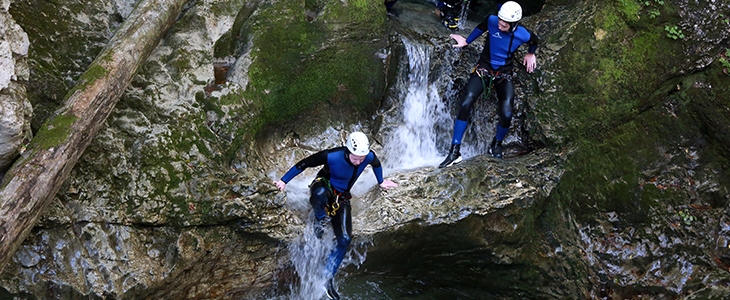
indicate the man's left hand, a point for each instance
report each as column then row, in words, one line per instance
column 530, row 62
column 387, row 184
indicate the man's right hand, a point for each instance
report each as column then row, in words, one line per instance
column 280, row 185
column 460, row 40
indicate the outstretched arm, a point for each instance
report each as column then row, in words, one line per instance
column 378, row 170
column 475, row 33
column 530, row 61
column 313, row 160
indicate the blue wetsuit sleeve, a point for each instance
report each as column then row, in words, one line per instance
column 377, row 169
column 293, row 172
column 440, row 4
column 477, row 32
column 314, row 160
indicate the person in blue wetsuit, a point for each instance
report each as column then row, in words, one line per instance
column 450, row 12
column 330, row 192
column 494, row 68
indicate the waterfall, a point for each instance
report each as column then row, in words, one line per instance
column 423, row 118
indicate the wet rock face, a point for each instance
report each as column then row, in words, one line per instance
column 15, row 110
column 175, row 186
column 135, row 188
column 703, row 24
column 65, row 39
column 648, row 195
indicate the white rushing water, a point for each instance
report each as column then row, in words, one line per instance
column 413, row 143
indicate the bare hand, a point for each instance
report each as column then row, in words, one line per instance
column 280, row 185
column 530, row 62
column 460, row 40
column 388, row 184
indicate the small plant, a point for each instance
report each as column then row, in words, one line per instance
column 653, row 13
column 725, row 61
column 686, row 217
column 673, row 32
column 647, row 3
column 724, row 19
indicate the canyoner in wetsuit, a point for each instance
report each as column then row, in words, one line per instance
column 495, row 69
column 450, row 12
column 330, row 192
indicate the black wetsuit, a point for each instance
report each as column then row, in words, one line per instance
column 333, row 183
column 495, row 66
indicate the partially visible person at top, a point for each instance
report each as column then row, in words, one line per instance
column 330, row 192
column 503, row 36
column 450, row 12
column 389, row 7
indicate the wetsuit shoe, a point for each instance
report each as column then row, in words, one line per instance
column 393, row 12
column 331, row 291
column 454, row 157
column 495, row 148
column 319, row 226
column 451, row 23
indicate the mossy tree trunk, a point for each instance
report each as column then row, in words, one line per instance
column 32, row 182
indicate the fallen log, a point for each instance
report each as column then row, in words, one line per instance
column 33, row 181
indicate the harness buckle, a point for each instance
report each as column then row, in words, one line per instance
column 332, row 208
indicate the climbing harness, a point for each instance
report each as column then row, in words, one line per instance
column 492, row 75
column 333, row 205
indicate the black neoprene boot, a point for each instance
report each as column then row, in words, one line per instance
column 495, row 148
column 454, row 157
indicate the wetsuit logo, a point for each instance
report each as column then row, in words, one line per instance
column 497, row 35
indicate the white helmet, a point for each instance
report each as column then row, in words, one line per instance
column 510, row 12
column 358, row 144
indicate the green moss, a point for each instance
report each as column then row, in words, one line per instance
column 613, row 172
column 363, row 13
column 605, row 81
column 55, row 132
column 181, row 63
column 94, row 73
column 629, row 8
column 235, row 98
column 234, row 42
column 296, row 69
column 223, row 46
column 62, row 47
column 608, row 172
column 608, row 87
column 315, row 5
